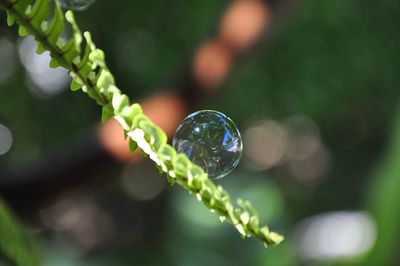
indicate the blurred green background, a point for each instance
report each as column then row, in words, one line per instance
column 316, row 100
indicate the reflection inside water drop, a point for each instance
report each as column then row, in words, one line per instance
column 211, row 140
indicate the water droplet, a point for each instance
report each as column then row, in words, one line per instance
column 211, row 140
column 76, row 5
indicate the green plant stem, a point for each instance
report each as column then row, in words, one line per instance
column 92, row 74
column 53, row 49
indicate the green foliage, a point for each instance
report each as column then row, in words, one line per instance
column 90, row 73
column 15, row 243
column 383, row 199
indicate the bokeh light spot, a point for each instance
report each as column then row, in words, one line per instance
column 6, row 139
column 335, row 235
column 211, row 64
column 135, row 51
column 142, row 182
column 7, row 61
column 78, row 217
column 243, row 23
column 43, row 81
column 266, row 143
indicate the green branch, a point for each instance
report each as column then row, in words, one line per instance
column 15, row 243
column 90, row 73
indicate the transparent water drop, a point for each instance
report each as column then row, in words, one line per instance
column 211, row 140
column 76, row 5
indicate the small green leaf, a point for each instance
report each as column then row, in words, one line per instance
column 107, row 113
column 170, row 180
column 276, row 238
column 198, row 182
column 129, row 113
column 89, row 40
column 231, row 213
column 157, row 136
column 181, row 164
column 44, row 26
column 241, row 230
column 159, row 169
column 21, row 5
column 60, row 42
column 166, row 152
column 39, row 12
column 105, row 80
column 119, row 101
column 15, row 242
column 69, row 50
column 85, row 69
column 57, row 25
column 254, row 223
column 265, row 231
column 143, row 154
column 138, row 119
column 22, row 31
column 77, row 35
column 132, row 145
column 196, row 170
column 245, row 217
column 40, row 48
column 75, row 85
column 54, row 63
column 97, row 57
column 84, row 59
column 210, row 185
column 10, row 19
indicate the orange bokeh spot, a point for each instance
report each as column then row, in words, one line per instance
column 211, row 64
column 111, row 136
column 243, row 23
column 164, row 110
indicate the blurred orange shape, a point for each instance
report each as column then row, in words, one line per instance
column 111, row 137
column 243, row 23
column 211, row 64
column 164, row 110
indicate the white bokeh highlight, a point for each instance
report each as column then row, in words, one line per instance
column 7, row 59
column 6, row 139
column 335, row 235
column 43, row 81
